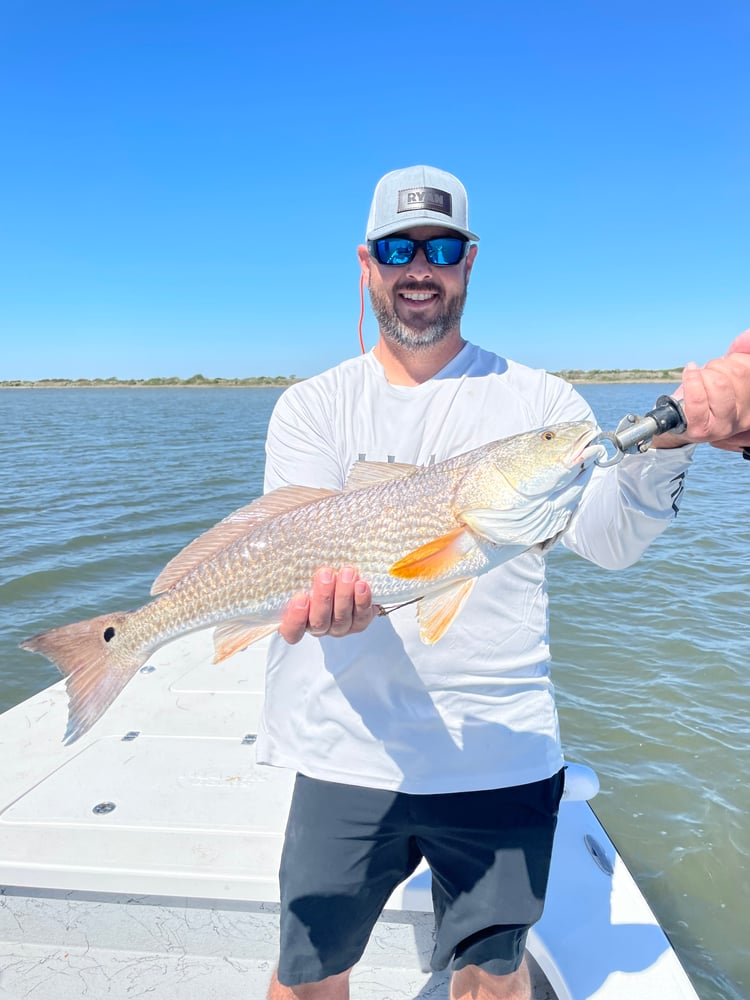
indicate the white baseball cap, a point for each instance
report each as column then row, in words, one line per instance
column 418, row 196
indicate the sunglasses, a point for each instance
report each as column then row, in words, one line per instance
column 442, row 251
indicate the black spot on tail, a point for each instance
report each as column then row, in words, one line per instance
column 109, row 634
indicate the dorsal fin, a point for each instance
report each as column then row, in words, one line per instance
column 234, row 526
column 364, row 474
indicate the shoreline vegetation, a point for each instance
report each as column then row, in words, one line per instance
column 575, row 375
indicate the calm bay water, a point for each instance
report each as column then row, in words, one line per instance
column 100, row 487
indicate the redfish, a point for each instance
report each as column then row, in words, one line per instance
column 419, row 534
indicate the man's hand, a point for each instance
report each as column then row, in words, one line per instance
column 716, row 399
column 339, row 604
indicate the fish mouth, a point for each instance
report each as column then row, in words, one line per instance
column 586, row 449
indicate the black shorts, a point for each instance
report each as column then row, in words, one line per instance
column 347, row 848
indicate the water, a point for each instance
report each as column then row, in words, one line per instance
column 100, row 487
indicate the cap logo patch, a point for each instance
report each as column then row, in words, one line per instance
column 429, row 199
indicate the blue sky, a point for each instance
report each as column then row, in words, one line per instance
column 184, row 183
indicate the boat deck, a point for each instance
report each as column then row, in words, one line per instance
column 142, row 860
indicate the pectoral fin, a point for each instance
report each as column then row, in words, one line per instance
column 234, row 636
column 436, row 558
column 436, row 613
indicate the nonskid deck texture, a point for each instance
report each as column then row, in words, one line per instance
column 173, row 951
column 142, row 861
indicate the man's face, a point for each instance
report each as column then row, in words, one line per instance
column 418, row 304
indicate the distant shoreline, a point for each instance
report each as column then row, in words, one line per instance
column 621, row 376
column 575, row 376
column 196, row 382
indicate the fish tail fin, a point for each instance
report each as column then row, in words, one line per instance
column 96, row 669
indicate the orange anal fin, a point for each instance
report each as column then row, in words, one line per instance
column 234, row 636
column 436, row 558
column 436, row 613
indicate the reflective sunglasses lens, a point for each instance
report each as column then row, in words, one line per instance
column 398, row 251
column 442, row 251
column 445, row 250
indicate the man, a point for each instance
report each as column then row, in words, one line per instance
column 452, row 751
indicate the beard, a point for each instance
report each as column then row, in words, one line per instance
column 423, row 334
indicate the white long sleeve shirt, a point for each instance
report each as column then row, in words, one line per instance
column 477, row 709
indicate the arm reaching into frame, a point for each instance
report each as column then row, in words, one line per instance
column 716, row 399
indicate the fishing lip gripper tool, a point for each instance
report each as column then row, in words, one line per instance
column 634, row 434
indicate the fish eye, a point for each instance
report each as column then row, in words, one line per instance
column 548, row 436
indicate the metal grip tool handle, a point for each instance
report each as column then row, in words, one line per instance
column 635, row 434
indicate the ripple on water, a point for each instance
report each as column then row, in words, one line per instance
column 102, row 487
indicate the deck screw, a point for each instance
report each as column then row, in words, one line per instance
column 103, row 808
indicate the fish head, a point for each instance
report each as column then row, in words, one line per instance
column 540, row 462
column 524, row 489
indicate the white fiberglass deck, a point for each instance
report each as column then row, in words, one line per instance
column 142, row 860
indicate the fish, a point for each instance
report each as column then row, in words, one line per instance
column 421, row 534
